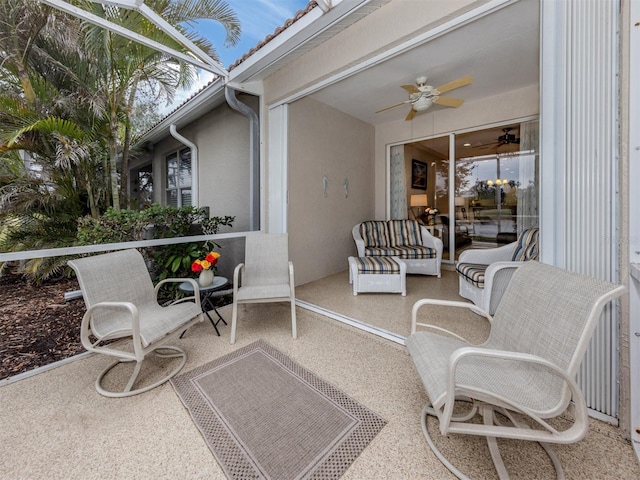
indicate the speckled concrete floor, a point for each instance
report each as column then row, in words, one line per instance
column 55, row 425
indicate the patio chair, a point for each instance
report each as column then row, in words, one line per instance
column 484, row 273
column 265, row 276
column 524, row 374
column 122, row 303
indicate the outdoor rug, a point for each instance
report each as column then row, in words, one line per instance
column 265, row 416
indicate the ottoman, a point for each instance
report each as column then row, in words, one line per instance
column 378, row 274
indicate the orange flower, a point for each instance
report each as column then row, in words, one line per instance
column 210, row 260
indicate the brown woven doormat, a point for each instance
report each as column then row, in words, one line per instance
column 265, row 416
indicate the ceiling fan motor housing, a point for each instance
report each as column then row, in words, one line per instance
column 508, row 138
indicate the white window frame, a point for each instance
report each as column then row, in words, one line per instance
column 179, row 187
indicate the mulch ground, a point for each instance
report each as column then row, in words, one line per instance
column 37, row 325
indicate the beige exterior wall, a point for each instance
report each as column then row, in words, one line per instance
column 391, row 24
column 325, row 142
column 222, row 138
column 503, row 108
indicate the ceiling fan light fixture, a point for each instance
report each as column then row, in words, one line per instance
column 422, row 104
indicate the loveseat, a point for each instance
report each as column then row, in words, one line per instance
column 405, row 239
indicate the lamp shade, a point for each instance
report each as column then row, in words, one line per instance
column 459, row 201
column 419, row 200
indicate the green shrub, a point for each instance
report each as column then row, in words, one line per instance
column 167, row 261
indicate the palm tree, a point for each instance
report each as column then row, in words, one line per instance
column 66, row 97
column 124, row 66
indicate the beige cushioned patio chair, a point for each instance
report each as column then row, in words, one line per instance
column 525, row 369
column 265, row 276
column 121, row 303
column 484, row 273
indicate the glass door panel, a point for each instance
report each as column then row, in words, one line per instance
column 496, row 185
column 428, row 198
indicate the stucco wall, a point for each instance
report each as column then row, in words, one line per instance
column 326, row 142
column 222, row 138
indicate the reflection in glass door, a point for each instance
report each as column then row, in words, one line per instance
column 496, row 186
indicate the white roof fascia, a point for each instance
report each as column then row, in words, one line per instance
column 205, row 62
column 189, row 111
column 304, row 30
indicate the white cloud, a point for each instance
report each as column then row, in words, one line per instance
column 203, row 79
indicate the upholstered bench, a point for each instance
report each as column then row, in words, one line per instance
column 378, row 274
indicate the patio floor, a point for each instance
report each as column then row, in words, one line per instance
column 55, row 425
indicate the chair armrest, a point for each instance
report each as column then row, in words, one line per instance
column 430, row 241
column 573, row 434
column 194, row 284
column 355, row 231
column 496, row 279
column 237, row 276
column 86, row 331
column 486, row 256
column 446, row 303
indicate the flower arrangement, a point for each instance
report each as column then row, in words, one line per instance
column 431, row 215
column 210, row 261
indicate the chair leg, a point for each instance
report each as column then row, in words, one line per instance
column 492, row 442
column 234, row 318
column 489, row 418
column 545, row 446
column 127, row 392
column 426, row 411
column 294, row 332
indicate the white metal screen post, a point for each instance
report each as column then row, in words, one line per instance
column 634, row 224
column 579, row 166
column 277, row 174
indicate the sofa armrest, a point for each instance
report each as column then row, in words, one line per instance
column 430, row 241
column 487, row 256
column 496, row 280
column 355, row 231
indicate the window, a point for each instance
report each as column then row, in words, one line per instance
column 178, row 189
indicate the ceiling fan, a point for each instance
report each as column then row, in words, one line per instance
column 506, row 139
column 422, row 96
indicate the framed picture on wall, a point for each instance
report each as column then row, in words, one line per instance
column 418, row 175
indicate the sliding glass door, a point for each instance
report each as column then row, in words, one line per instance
column 495, row 196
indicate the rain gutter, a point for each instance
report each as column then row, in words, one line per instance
column 194, row 163
column 254, row 154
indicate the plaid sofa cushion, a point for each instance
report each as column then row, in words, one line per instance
column 472, row 272
column 404, row 233
column 381, row 265
column 381, row 252
column 416, row 252
column 374, row 233
column 527, row 246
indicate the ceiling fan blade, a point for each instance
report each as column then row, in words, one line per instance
column 393, row 106
column 449, row 101
column 410, row 88
column 412, row 113
column 460, row 82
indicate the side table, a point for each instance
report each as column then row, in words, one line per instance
column 206, row 294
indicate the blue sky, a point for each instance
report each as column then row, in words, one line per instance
column 258, row 18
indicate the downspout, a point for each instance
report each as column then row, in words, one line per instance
column 194, row 163
column 254, row 154
column 325, row 5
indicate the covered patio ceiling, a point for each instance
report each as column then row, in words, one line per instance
column 500, row 51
